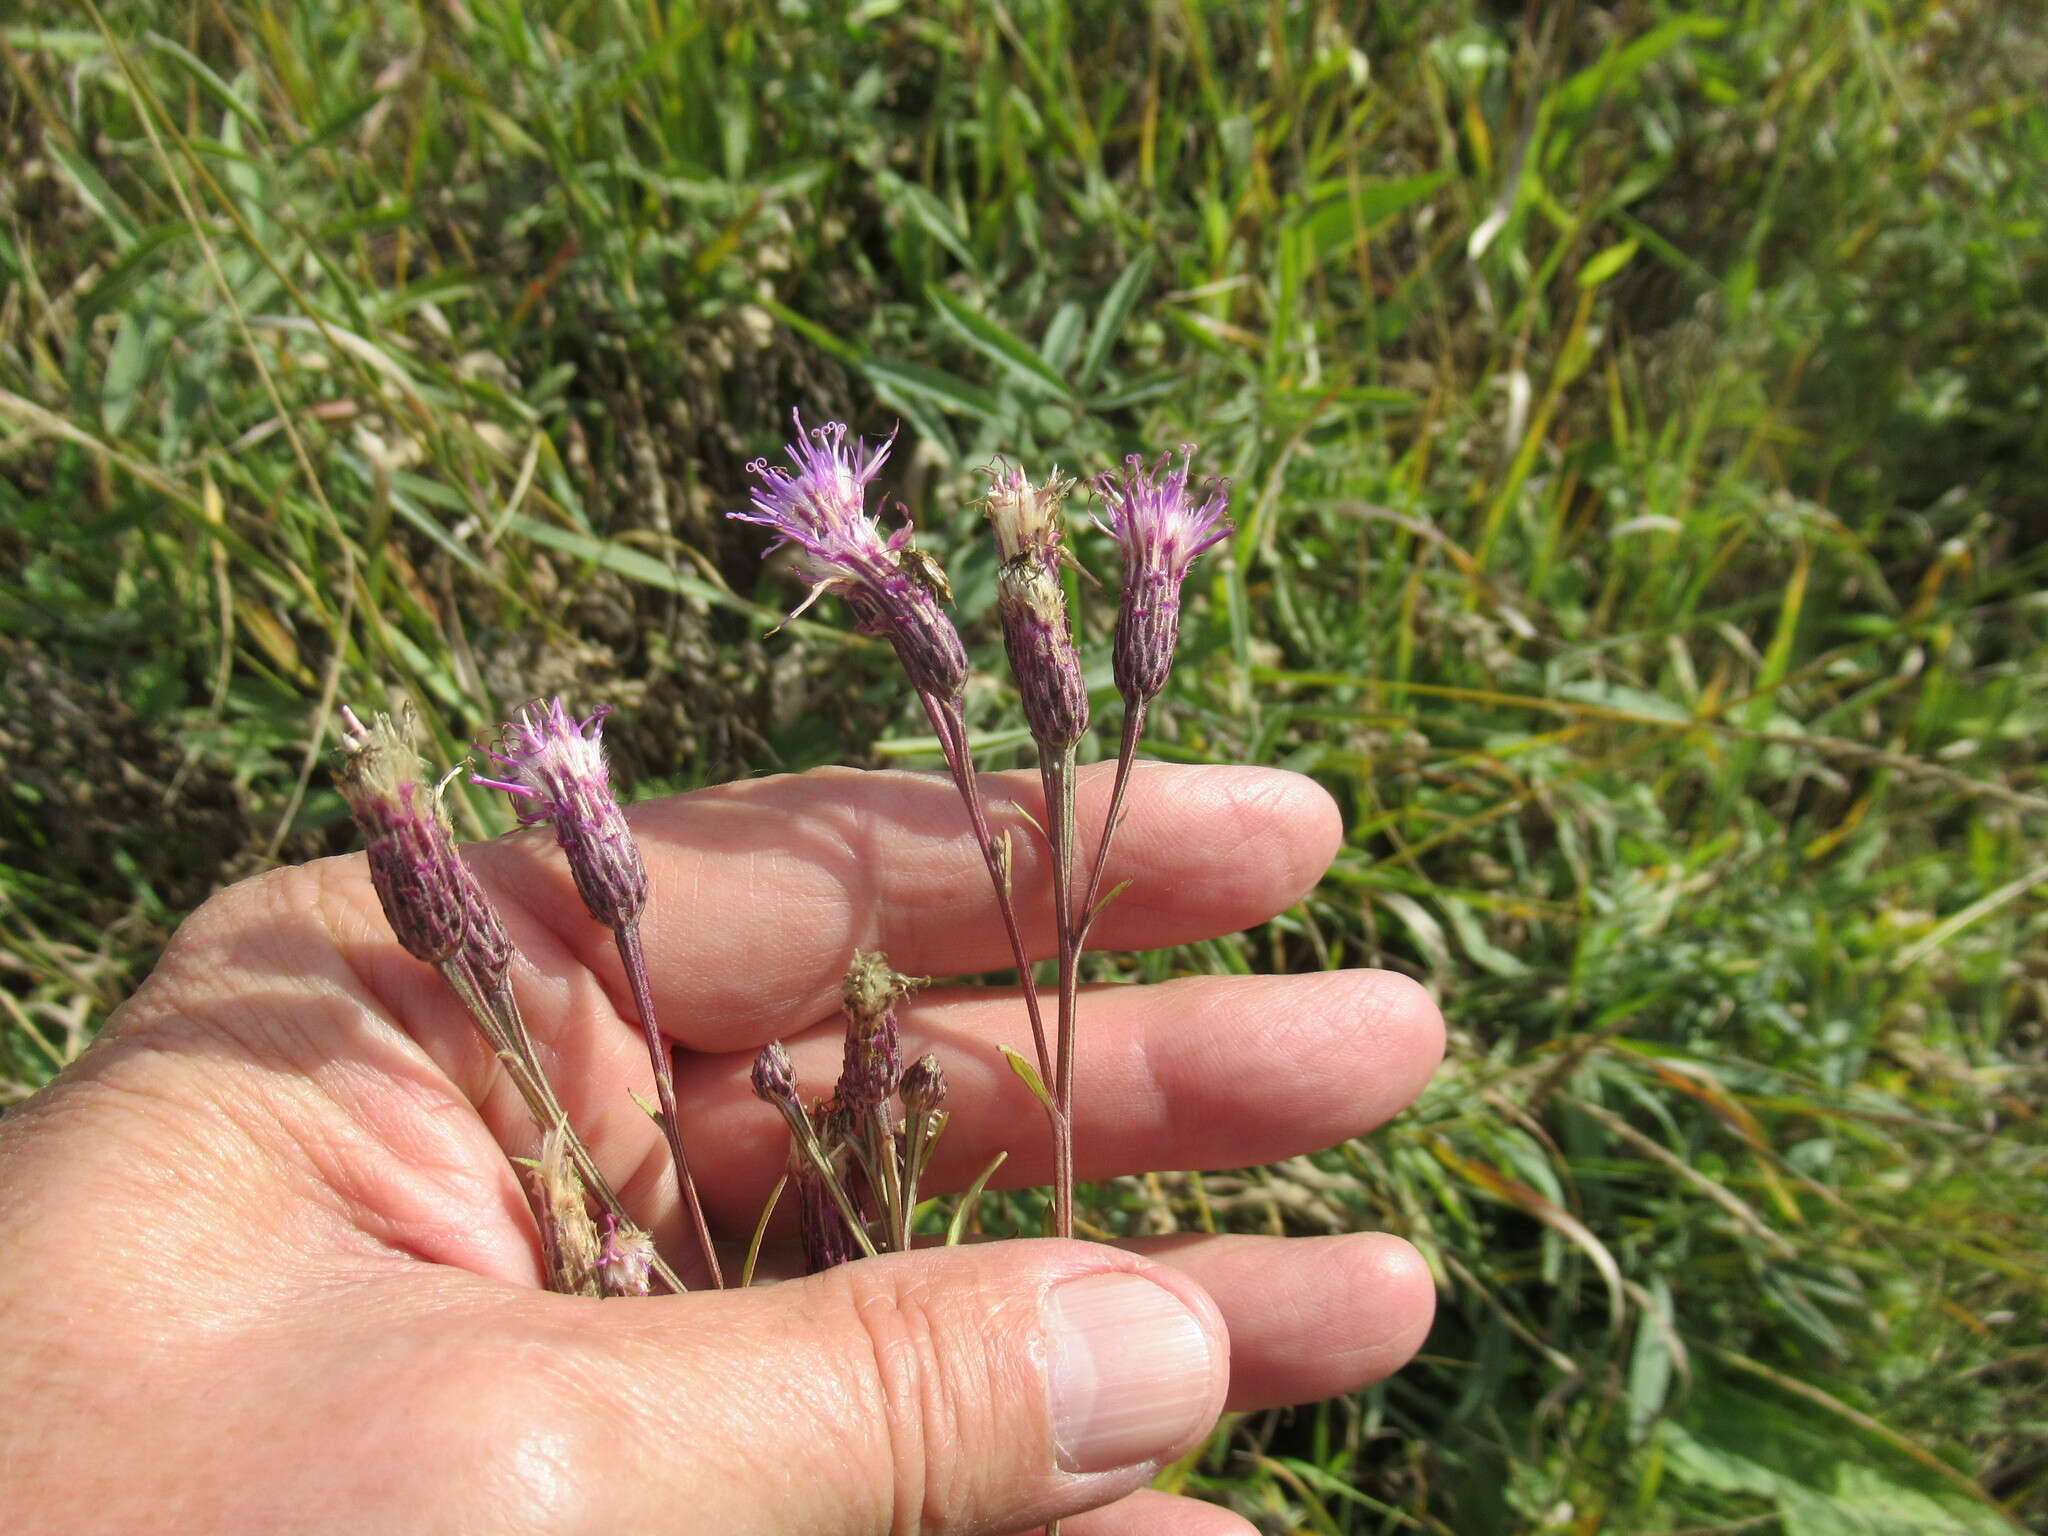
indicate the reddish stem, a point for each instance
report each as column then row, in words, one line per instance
column 635, row 960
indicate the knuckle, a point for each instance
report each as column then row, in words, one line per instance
column 926, row 1372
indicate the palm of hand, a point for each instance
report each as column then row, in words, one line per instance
column 268, row 1268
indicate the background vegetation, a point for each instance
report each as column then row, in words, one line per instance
column 1637, row 418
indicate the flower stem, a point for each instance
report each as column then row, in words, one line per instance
column 952, row 733
column 634, row 957
column 1127, row 754
column 1058, row 777
column 503, row 1027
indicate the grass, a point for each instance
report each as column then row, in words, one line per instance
column 1637, row 420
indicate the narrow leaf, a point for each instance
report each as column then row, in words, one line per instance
column 957, row 1227
column 1027, row 1074
column 1111, row 318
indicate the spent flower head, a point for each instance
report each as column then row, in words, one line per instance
column 625, row 1259
column 569, row 1240
column 420, row 881
column 819, row 509
column 1032, row 604
column 1160, row 524
column 1025, row 517
column 553, row 766
column 873, row 1065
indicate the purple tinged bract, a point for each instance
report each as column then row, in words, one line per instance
column 426, row 892
column 553, row 765
column 819, row 508
column 1160, row 524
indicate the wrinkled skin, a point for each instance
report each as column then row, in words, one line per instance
column 264, row 1265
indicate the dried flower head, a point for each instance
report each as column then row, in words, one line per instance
column 820, row 510
column 873, row 1065
column 1033, row 606
column 1025, row 517
column 625, row 1259
column 569, row 1240
column 554, row 768
column 1160, row 525
column 413, row 864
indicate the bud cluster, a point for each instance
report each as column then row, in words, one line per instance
column 854, row 1161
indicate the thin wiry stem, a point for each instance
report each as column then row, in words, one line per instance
column 952, row 733
column 1127, row 754
column 1058, row 777
column 503, row 1027
column 634, row 957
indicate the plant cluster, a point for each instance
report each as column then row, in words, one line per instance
column 856, row 1162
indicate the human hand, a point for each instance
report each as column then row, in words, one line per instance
column 264, row 1265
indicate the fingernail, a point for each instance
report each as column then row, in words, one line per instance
column 1131, row 1369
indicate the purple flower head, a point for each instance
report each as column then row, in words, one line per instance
column 554, row 768
column 820, row 510
column 1160, row 525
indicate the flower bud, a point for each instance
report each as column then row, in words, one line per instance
column 924, row 1086
column 775, row 1077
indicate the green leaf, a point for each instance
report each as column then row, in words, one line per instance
column 942, row 389
column 999, row 345
column 1027, row 1074
column 930, row 215
column 1110, row 320
column 127, row 367
column 1608, row 262
column 957, row 1227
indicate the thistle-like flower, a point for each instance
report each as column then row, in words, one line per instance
column 873, row 1066
column 1159, row 526
column 894, row 589
column 418, row 877
column 1033, row 606
column 554, row 769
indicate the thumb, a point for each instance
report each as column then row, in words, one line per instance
column 964, row 1389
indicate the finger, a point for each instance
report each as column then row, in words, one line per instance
column 1149, row 1512
column 1203, row 1072
column 761, row 891
column 1309, row 1317
column 966, row 1389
